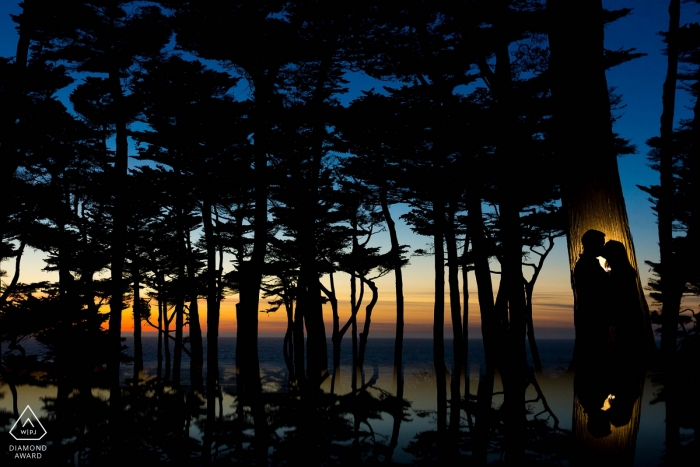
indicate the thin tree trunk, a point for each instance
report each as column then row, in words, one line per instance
column 669, row 283
column 368, row 320
column 489, row 328
column 465, row 334
column 396, row 260
column 456, row 315
column 439, row 320
column 336, row 337
column 212, row 328
column 179, row 320
column 288, row 344
column 161, row 314
column 15, row 277
column 397, row 413
column 166, row 342
column 138, row 345
column 118, row 254
column 536, row 361
column 196, row 344
column 529, row 289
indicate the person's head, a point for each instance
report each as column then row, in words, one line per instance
column 615, row 254
column 593, row 242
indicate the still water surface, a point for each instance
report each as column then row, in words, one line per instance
column 419, row 390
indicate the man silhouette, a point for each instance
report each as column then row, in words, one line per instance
column 591, row 289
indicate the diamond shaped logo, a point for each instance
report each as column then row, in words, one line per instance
column 28, row 427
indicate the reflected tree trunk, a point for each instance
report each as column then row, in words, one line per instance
column 606, row 431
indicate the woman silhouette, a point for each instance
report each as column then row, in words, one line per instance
column 625, row 312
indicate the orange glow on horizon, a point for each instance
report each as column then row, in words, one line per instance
column 553, row 312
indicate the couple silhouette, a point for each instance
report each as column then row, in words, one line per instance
column 608, row 321
column 607, row 299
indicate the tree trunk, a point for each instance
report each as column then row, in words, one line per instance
column 212, row 324
column 138, row 345
column 180, row 296
column 439, row 320
column 592, row 193
column 536, row 361
column 672, row 282
column 251, row 272
column 196, row 344
column 118, row 255
column 368, row 321
column 671, row 288
column 396, row 260
column 513, row 370
column 166, row 342
column 456, row 315
column 489, row 327
column 161, row 314
column 15, row 277
column 336, row 337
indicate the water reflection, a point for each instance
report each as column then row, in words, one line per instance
column 369, row 425
column 608, row 389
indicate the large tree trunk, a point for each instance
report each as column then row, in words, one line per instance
column 512, row 367
column 591, row 193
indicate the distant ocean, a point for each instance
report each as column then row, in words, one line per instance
column 555, row 355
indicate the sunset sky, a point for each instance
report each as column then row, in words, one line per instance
column 639, row 82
